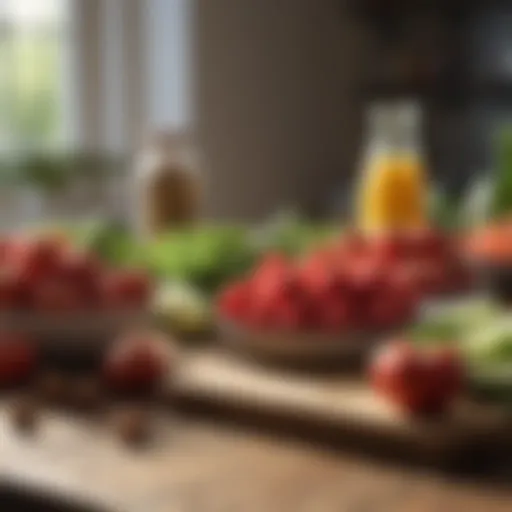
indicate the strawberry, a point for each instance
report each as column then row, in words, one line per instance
column 35, row 259
column 271, row 265
column 446, row 369
column 283, row 296
column 460, row 277
column 336, row 315
column 274, row 277
column 390, row 363
column 389, row 249
column 394, row 302
column 14, row 291
column 57, row 296
column 282, row 283
column 4, row 249
column 85, row 272
column 353, row 243
column 417, row 381
column 79, row 266
column 18, row 358
column 387, row 311
column 287, row 316
column 366, row 277
column 125, row 289
column 428, row 242
column 138, row 361
column 295, row 314
column 234, row 301
column 319, row 279
column 261, row 316
column 433, row 277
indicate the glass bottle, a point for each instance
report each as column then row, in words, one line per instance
column 393, row 189
column 167, row 184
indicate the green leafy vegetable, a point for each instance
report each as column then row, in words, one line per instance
column 112, row 242
column 205, row 258
column 502, row 194
column 491, row 343
column 292, row 235
column 444, row 209
column 483, row 333
column 436, row 331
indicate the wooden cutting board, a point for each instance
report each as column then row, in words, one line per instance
column 336, row 409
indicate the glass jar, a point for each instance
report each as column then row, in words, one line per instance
column 167, row 184
column 392, row 191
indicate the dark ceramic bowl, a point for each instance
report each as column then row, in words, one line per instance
column 495, row 279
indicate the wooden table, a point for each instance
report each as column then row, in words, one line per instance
column 202, row 467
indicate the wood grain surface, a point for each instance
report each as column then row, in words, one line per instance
column 336, row 408
column 200, row 467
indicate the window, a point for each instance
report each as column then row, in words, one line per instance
column 32, row 34
column 92, row 73
column 169, row 63
column 85, row 76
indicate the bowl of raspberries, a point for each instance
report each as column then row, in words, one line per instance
column 337, row 301
column 52, row 290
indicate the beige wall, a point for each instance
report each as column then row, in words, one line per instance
column 275, row 112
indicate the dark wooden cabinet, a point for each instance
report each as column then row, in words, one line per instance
column 455, row 58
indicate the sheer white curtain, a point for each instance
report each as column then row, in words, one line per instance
column 169, row 64
column 133, row 68
column 107, row 59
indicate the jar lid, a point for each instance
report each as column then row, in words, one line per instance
column 398, row 121
column 391, row 113
column 164, row 139
column 173, row 147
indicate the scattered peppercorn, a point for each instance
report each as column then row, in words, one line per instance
column 133, row 425
column 86, row 392
column 25, row 413
column 53, row 386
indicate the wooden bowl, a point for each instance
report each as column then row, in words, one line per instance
column 81, row 328
column 304, row 349
column 495, row 278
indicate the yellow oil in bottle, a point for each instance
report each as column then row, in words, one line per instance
column 393, row 194
column 393, row 186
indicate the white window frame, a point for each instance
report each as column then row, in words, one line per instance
column 121, row 74
column 126, row 68
column 107, row 108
